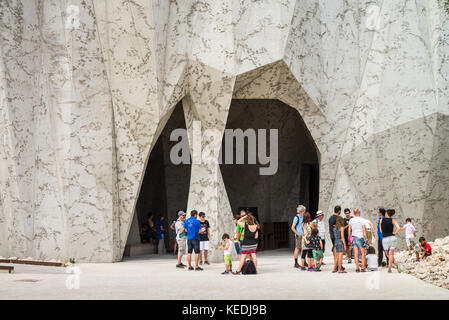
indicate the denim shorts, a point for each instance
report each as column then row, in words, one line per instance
column 390, row 243
column 358, row 242
column 193, row 245
column 237, row 247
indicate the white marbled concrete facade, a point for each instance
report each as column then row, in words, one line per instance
column 86, row 87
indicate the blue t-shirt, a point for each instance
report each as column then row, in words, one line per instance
column 193, row 226
column 159, row 230
column 298, row 220
column 378, row 228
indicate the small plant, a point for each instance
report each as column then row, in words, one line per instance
column 446, row 5
column 72, row 260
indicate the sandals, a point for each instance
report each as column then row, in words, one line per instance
column 236, row 272
column 342, row 271
column 357, row 270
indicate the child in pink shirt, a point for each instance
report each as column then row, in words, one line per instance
column 410, row 234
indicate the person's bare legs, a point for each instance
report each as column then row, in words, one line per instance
column 296, row 253
column 335, row 260
column 242, row 261
column 363, row 258
column 205, row 255
column 391, row 258
column 356, row 257
column 197, row 259
column 340, row 261
column 189, row 259
column 179, row 258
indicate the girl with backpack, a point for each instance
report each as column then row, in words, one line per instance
column 249, row 243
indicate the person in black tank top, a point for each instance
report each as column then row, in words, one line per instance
column 249, row 243
column 387, row 227
column 389, row 241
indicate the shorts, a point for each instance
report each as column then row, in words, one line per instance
column 298, row 242
column 227, row 259
column 237, row 247
column 307, row 252
column 390, row 243
column 182, row 246
column 193, row 244
column 204, row 245
column 358, row 242
column 409, row 241
column 317, row 254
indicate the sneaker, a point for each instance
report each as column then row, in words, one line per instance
column 323, row 264
column 389, row 271
column 206, row 262
column 190, row 268
column 349, row 260
column 225, row 272
column 305, row 264
column 297, row 266
column 303, row 268
column 180, row 265
column 198, row 269
column 201, row 262
column 311, row 269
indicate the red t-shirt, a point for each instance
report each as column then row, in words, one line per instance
column 428, row 248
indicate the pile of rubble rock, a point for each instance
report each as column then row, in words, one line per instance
column 433, row 269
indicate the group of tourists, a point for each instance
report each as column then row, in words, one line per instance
column 353, row 237
column 193, row 236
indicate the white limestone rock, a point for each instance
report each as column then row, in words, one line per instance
column 433, row 269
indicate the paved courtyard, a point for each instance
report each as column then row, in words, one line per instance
column 155, row 277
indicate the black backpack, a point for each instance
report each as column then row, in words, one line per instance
column 249, row 268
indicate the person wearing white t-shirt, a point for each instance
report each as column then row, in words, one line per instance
column 357, row 228
column 410, row 234
column 371, row 259
column 227, row 250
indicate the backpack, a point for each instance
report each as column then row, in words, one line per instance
column 297, row 216
column 249, row 268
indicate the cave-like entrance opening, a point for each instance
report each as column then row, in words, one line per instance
column 164, row 191
column 273, row 197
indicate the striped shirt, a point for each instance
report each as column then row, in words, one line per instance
column 321, row 228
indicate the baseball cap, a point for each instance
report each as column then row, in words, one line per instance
column 181, row 213
column 319, row 213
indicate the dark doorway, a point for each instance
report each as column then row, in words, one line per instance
column 165, row 187
column 296, row 180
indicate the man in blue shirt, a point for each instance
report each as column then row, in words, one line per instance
column 380, row 248
column 193, row 226
column 297, row 230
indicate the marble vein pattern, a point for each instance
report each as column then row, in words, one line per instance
column 87, row 86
